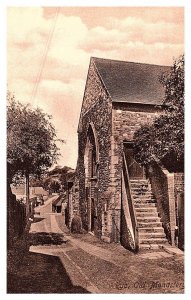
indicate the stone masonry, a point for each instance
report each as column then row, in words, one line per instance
column 96, row 110
column 109, row 117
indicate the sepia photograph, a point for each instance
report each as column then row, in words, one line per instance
column 95, row 149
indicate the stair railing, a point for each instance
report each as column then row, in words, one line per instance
column 130, row 203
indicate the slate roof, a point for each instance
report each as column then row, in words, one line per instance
column 131, row 82
column 58, row 201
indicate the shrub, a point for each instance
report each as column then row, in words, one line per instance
column 76, row 225
column 163, row 141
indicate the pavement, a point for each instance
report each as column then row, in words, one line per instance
column 57, row 261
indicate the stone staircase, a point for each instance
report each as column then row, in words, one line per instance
column 150, row 231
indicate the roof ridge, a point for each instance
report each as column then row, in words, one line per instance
column 129, row 62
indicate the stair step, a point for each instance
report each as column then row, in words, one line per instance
column 149, row 224
column 139, row 181
column 138, row 185
column 153, row 241
column 142, row 198
column 151, row 235
column 145, row 209
column 140, row 201
column 151, row 229
column 146, row 195
column 138, row 192
column 146, row 214
column 145, row 205
column 143, row 188
column 148, row 219
column 150, row 246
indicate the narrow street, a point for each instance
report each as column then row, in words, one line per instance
column 55, row 261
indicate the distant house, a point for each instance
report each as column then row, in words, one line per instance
column 38, row 190
column 115, row 197
column 57, row 204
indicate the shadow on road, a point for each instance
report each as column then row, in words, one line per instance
column 36, row 220
column 30, row 272
column 44, row 238
column 40, row 273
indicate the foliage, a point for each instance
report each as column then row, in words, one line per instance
column 54, row 186
column 76, row 225
column 62, row 174
column 46, row 183
column 174, row 87
column 36, row 182
column 67, row 174
column 163, row 141
column 31, row 139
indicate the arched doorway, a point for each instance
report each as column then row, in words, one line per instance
column 91, row 176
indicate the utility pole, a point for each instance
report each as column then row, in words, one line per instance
column 27, row 193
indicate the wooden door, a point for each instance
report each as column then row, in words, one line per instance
column 135, row 170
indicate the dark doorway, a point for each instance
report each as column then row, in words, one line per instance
column 135, row 170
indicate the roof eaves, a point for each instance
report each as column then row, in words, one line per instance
column 101, row 79
column 84, row 95
column 139, row 103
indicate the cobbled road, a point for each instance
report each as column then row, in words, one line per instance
column 60, row 262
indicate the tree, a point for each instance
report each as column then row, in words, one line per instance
column 63, row 174
column 55, row 186
column 51, row 184
column 60, row 174
column 164, row 140
column 31, row 140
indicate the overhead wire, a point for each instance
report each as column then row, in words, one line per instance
column 44, row 57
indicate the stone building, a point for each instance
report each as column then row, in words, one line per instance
column 115, row 198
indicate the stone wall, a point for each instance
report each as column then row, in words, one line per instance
column 179, row 182
column 16, row 212
column 179, row 198
column 16, row 218
column 94, row 90
column 112, row 124
column 73, row 201
column 126, row 119
column 162, row 185
column 127, row 237
column 97, row 111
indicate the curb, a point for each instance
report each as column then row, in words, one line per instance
column 172, row 250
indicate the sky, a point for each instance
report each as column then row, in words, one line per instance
column 49, row 49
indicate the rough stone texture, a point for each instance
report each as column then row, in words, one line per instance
column 179, row 182
column 126, row 119
column 168, row 189
column 72, row 207
column 127, row 237
column 75, row 196
column 111, row 124
column 94, row 89
column 162, row 184
column 97, row 110
column 179, row 197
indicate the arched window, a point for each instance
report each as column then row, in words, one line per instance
column 91, row 153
